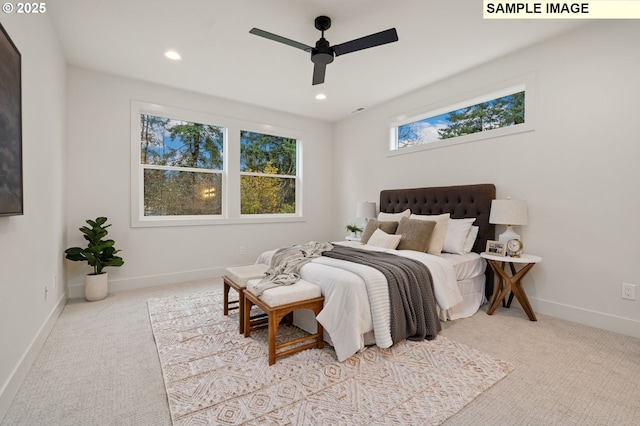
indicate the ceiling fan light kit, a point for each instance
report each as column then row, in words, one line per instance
column 323, row 54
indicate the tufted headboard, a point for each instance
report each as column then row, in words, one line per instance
column 461, row 201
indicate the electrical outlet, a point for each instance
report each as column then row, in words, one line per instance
column 243, row 250
column 629, row 291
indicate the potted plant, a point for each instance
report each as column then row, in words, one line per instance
column 354, row 229
column 99, row 254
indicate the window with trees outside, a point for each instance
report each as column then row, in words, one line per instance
column 268, row 174
column 191, row 168
column 182, row 164
column 498, row 113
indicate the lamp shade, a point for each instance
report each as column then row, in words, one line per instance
column 366, row 209
column 508, row 212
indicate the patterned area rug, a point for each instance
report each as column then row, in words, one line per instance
column 213, row 375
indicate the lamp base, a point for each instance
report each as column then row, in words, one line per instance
column 507, row 235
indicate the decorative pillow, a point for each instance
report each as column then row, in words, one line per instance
column 437, row 240
column 395, row 217
column 471, row 239
column 372, row 225
column 416, row 234
column 457, row 231
column 384, row 240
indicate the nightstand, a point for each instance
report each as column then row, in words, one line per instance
column 513, row 283
column 357, row 239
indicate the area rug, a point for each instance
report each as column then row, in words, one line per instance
column 214, row 375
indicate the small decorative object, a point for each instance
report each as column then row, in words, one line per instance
column 353, row 229
column 497, row 248
column 99, row 254
column 514, row 248
column 508, row 212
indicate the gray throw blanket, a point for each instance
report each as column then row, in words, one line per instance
column 414, row 315
column 286, row 263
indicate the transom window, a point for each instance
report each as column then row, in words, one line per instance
column 504, row 111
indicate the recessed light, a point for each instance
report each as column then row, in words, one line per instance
column 173, row 55
column 321, row 96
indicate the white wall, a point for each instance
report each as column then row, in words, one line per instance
column 578, row 171
column 32, row 245
column 99, row 185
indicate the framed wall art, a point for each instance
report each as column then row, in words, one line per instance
column 11, row 186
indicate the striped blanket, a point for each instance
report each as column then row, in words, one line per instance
column 414, row 315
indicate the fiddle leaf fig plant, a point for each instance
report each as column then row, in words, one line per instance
column 99, row 252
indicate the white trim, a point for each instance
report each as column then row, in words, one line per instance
column 596, row 319
column 76, row 290
column 526, row 83
column 10, row 387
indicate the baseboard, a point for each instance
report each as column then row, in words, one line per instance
column 76, row 289
column 617, row 324
column 12, row 385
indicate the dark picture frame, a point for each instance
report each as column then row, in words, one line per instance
column 11, row 182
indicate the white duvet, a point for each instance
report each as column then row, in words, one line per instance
column 356, row 297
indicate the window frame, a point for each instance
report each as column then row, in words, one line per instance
column 230, row 213
column 272, row 131
column 525, row 83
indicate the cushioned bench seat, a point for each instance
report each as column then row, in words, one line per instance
column 279, row 302
column 236, row 278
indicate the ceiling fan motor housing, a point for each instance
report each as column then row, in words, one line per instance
column 323, row 53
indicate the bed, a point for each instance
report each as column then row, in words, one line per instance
column 356, row 312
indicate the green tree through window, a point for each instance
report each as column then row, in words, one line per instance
column 493, row 114
column 268, row 174
column 183, row 164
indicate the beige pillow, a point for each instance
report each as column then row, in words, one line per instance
column 384, row 240
column 416, row 234
column 393, row 217
column 437, row 240
column 372, row 225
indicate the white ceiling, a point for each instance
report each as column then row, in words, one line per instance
column 437, row 38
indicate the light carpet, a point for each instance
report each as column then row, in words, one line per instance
column 214, row 375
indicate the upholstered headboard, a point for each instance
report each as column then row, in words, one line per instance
column 461, row 201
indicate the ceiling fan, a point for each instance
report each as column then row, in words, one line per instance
column 323, row 53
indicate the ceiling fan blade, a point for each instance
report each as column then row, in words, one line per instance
column 377, row 39
column 318, row 73
column 280, row 39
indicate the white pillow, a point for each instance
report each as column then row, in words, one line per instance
column 384, row 240
column 393, row 217
column 471, row 239
column 456, row 235
column 437, row 238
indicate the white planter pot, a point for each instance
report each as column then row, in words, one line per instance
column 96, row 287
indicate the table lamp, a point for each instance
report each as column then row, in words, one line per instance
column 508, row 212
column 366, row 210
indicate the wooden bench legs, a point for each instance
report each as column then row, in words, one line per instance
column 227, row 306
column 275, row 315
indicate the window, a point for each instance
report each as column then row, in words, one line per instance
column 500, row 112
column 268, row 174
column 182, row 166
column 190, row 168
